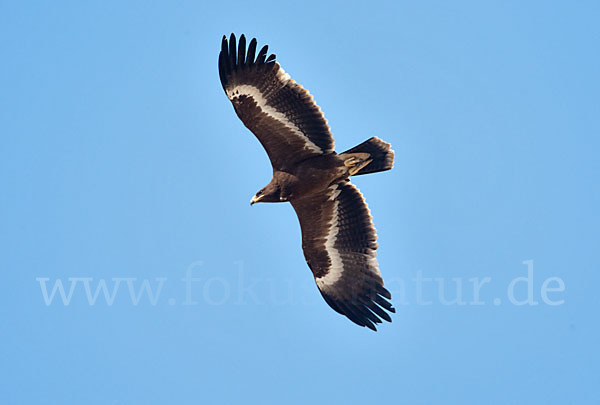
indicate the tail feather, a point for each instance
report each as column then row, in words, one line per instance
column 380, row 153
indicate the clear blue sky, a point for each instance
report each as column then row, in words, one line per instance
column 122, row 162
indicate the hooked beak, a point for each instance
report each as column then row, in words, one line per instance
column 255, row 199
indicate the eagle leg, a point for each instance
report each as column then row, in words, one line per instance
column 356, row 161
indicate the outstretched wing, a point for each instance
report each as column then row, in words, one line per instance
column 281, row 113
column 340, row 243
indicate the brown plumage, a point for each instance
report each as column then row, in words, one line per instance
column 338, row 237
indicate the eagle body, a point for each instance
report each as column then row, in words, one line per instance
column 309, row 177
column 339, row 240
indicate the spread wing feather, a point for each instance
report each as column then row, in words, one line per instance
column 339, row 243
column 281, row 113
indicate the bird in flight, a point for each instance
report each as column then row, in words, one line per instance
column 339, row 240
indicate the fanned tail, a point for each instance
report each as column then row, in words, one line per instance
column 380, row 156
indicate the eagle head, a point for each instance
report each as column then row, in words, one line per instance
column 270, row 193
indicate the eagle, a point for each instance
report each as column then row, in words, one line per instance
column 339, row 240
